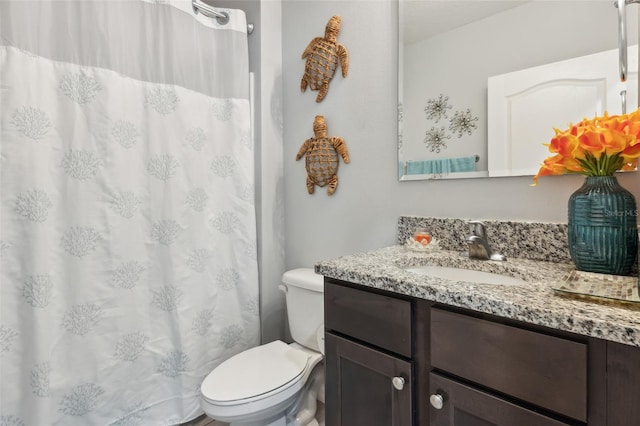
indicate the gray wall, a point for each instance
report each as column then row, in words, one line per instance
column 363, row 213
column 270, row 187
column 265, row 60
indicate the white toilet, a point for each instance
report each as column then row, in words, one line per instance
column 276, row 384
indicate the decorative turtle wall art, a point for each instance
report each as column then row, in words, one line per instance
column 323, row 54
column 322, row 157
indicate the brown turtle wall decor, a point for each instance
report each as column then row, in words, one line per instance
column 322, row 157
column 323, row 54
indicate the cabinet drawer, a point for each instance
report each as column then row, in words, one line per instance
column 376, row 319
column 547, row 371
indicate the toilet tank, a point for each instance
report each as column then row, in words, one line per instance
column 304, row 291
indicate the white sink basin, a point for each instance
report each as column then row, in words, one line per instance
column 469, row 275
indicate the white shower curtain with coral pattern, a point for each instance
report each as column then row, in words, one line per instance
column 128, row 234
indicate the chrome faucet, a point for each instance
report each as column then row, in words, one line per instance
column 479, row 244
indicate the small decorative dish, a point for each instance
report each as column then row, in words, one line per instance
column 600, row 288
column 413, row 245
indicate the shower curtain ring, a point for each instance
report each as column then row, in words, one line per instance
column 222, row 20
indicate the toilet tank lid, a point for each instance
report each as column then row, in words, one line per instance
column 304, row 278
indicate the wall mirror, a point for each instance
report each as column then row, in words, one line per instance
column 460, row 62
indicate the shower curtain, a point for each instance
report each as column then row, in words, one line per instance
column 128, row 237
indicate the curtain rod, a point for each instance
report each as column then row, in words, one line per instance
column 221, row 17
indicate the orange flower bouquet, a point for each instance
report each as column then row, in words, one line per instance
column 602, row 225
column 597, row 147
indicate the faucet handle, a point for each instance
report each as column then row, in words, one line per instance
column 478, row 228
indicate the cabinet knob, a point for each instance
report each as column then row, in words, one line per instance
column 398, row 382
column 437, row 401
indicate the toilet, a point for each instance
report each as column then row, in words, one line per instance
column 276, row 384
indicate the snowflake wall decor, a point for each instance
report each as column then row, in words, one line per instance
column 463, row 122
column 436, row 139
column 436, row 109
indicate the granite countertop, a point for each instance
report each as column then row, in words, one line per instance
column 534, row 303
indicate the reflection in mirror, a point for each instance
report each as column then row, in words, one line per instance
column 523, row 106
column 461, row 62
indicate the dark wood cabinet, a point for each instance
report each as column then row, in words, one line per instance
column 479, row 369
column 461, row 405
column 623, row 385
column 378, row 319
column 366, row 386
column 547, row 371
column 369, row 366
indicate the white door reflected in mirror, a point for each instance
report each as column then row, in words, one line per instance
column 525, row 106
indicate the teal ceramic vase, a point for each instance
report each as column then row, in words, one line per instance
column 603, row 234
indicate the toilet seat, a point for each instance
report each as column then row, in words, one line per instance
column 256, row 374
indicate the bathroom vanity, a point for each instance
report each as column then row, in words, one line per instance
column 409, row 349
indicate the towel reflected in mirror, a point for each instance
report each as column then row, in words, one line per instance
column 442, row 166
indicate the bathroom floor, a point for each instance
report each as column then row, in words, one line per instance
column 204, row 421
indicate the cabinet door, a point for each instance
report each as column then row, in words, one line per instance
column 623, row 385
column 455, row 404
column 365, row 387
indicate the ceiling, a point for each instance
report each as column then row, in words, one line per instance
column 426, row 18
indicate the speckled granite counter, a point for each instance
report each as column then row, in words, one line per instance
column 533, row 303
